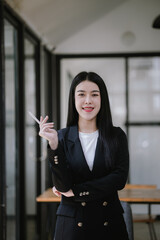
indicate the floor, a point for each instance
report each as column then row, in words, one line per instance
column 141, row 231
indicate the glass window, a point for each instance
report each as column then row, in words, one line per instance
column 144, row 159
column 30, row 134
column 10, row 35
column 144, row 89
column 44, row 111
column 144, row 151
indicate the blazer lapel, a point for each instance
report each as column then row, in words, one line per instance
column 78, row 161
column 99, row 161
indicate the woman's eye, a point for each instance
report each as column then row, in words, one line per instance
column 81, row 94
column 95, row 95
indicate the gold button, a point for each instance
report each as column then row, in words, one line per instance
column 80, row 224
column 105, row 223
column 83, row 204
column 105, row 204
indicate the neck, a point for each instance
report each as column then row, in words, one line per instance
column 87, row 126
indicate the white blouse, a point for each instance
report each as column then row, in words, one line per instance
column 89, row 143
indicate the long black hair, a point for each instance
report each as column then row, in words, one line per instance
column 104, row 118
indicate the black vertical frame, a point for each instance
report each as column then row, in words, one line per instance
column 2, row 129
column 56, row 81
column 20, row 176
column 38, row 140
column 127, row 104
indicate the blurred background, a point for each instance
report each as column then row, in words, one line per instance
column 43, row 45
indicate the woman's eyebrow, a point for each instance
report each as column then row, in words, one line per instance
column 85, row 91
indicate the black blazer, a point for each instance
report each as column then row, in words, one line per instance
column 95, row 191
column 70, row 169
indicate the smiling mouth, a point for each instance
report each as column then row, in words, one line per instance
column 88, row 109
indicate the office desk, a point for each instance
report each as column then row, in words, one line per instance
column 128, row 195
column 135, row 195
column 48, row 196
column 142, row 196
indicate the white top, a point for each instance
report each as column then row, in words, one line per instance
column 89, row 143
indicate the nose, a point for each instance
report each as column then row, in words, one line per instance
column 88, row 99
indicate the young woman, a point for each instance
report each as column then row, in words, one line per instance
column 89, row 161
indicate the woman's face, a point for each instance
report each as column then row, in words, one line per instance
column 87, row 100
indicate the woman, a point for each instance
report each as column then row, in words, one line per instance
column 89, row 161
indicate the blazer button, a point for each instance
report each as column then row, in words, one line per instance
column 80, row 224
column 80, row 194
column 105, row 204
column 83, row 204
column 87, row 193
column 105, row 224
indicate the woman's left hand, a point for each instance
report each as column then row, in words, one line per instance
column 66, row 194
column 56, row 192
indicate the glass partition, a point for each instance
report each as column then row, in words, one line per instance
column 45, row 70
column 30, row 137
column 144, row 89
column 144, row 118
column 10, row 35
column 144, row 152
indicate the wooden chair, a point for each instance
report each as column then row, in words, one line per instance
column 148, row 218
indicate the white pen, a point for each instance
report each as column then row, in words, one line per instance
column 34, row 117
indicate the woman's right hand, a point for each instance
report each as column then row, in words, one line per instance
column 47, row 132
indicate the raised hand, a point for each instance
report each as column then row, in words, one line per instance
column 47, row 132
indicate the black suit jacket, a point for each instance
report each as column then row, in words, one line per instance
column 70, row 169
column 95, row 191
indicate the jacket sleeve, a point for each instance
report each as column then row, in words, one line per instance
column 108, row 185
column 60, row 170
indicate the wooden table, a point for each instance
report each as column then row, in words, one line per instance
column 128, row 195
column 151, row 196
column 48, row 196
column 131, row 195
